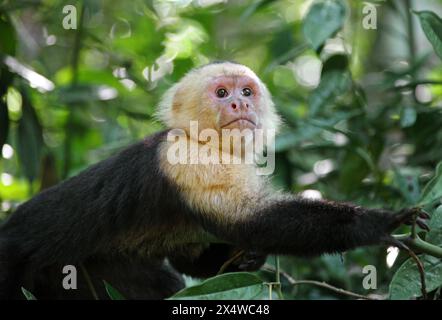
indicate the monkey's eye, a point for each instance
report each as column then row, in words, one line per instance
column 246, row 92
column 221, row 93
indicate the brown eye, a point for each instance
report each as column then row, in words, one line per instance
column 221, row 93
column 246, row 92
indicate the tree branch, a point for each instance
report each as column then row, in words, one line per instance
column 325, row 285
column 418, row 262
column 413, row 84
column 420, row 245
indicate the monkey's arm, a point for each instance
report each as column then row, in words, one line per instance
column 307, row 227
column 214, row 257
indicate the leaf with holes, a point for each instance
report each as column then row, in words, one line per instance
column 406, row 283
column 407, row 182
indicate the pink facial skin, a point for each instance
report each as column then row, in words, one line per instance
column 237, row 100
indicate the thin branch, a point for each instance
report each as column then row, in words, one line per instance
column 420, row 245
column 230, row 261
column 410, row 32
column 77, row 46
column 413, row 84
column 74, row 81
column 325, row 285
column 419, row 265
column 413, row 228
column 278, row 279
column 89, row 282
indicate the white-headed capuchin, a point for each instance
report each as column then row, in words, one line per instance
column 137, row 221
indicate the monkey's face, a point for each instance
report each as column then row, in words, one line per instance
column 235, row 100
column 219, row 96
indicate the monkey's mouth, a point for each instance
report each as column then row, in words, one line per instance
column 242, row 121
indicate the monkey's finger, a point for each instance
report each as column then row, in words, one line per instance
column 422, row 224
column 252, row 254
column 419, row 218
column 244, row 265
column 249, row 265
column 406, row 217
column 409, row 215
column 424, row 215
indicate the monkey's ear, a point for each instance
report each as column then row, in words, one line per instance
column 165, row 109
column 270, row 118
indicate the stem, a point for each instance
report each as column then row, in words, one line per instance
column 419, row 265
column 413, row 228
column 77, row 46
column 420, row 245
column 74, row 81
column 421, row 269
column 410, row 31
column 89, row 282
column 332, row 288
column 294, row 282
column 278, row 279
column 414, row 84
column 270, row 290
column 230, row 261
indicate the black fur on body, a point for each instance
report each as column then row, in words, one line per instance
column 122, row 217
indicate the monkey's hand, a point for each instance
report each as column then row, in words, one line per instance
column 410, row 216
column 250, row 261
column 407, row 216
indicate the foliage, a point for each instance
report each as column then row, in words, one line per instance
column 113, row 293
column 28, row 295
column 239, row 285
column 361, row 108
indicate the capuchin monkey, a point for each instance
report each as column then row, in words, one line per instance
column 137, row 220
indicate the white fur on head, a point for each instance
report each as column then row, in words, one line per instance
column 183, row 103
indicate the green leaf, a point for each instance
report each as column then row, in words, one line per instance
column 27, row 294
column 30, row 141
column 408, row 184
column 322, row 21
column 354, row 169
column 333, row 84
column 406, row 282
column 7, row 35
column 432, row 26
column 408, row 117
column 434, row 236
column 113, row 293
column 433, row 189
column 4, row 123
column 238, row 285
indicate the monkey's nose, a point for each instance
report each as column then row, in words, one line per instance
column 239, row 105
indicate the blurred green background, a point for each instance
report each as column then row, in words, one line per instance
column 361, row 105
